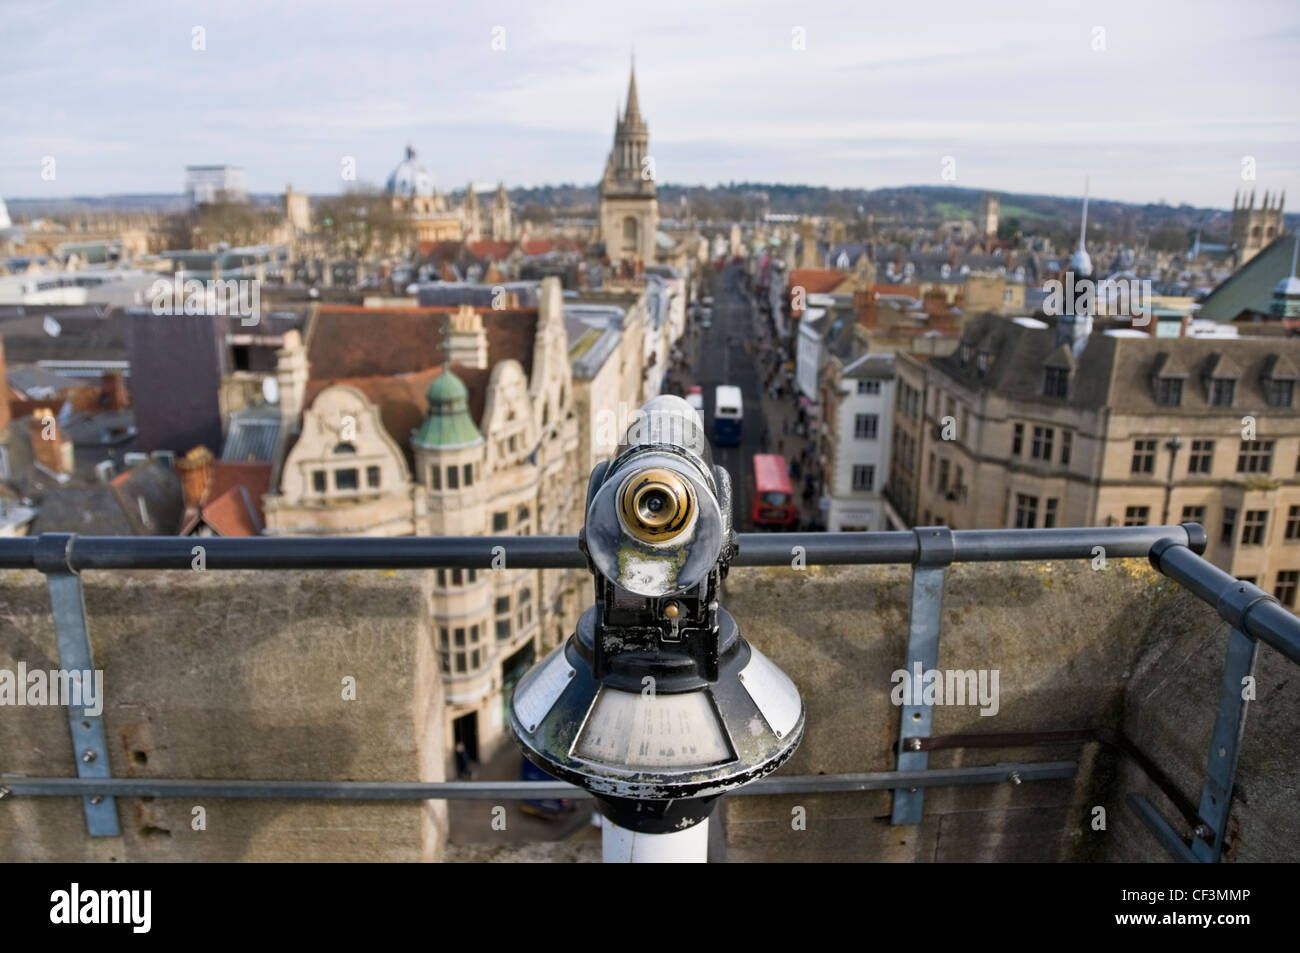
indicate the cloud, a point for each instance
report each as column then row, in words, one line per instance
column 876, row 98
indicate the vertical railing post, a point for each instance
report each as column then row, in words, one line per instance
column 1225, row 745
column 76, row 664
column 935, row 551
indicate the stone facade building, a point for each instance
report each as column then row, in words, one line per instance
column 443, row 422
column 1015, row 430
column 413, row 192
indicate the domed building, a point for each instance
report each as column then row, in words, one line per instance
column 413, row 190
column 411, row 179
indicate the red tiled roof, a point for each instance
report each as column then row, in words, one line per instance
column 538, row 247
column 816, row 280
column 233, row 514
column 254, row 477
column 489, row 249
column 443, row 249
column 401, row 398
column 349, row 341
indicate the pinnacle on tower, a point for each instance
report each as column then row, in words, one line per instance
column 633, row 111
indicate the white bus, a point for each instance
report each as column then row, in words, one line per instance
column 728, row 412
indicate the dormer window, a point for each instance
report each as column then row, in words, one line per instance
column 1169, row 391
column 1056, row 382
column 1167, row 378
column 1222, row 390
column 1280, row 393
column 983, row 361
column 1278, row 381
column 966, row 350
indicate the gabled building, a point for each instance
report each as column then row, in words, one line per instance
column 442, row 422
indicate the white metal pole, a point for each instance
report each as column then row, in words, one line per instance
column 622, row 846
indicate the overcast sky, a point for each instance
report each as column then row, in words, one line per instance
column 1023, row 100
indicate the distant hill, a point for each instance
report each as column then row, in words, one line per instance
column 910, row 205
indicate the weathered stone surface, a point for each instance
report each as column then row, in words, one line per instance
column 1170, row 708
column 1075, row 648
column 235, row 675
column 238, row 675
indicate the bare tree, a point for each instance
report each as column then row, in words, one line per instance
column 361, row 224
column 235, row 223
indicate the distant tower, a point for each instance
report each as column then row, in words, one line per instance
column 988, row 220
column 503, row 226
column 629, row 211
column 473, row 224
column 296, row 209
column 1254, row 228
column 1073, row 328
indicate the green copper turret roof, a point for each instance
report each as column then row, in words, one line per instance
column 448, row 423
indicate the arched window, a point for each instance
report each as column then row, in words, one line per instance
column 345, row 448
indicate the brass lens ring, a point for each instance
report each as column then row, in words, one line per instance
column 656, row 505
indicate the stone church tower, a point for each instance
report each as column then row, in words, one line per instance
column 629, row 211
column 1255, row 228
column 987, row 223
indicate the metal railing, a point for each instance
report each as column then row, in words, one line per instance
column 1173, row 550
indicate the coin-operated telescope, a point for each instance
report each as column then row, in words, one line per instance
column 656, row 704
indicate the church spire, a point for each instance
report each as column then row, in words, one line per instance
column 1080, row 263
column 633, row 111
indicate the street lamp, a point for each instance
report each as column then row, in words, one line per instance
column 1173, row 445
column 656, row 704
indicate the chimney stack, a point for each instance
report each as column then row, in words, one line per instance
column 195, row 469
column 466, row 339
column 113, row 389
column 47, row 441
column 291, row 376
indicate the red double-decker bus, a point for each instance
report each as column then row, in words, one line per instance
column 773, row 499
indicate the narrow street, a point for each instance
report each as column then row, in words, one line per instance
column 730, row 352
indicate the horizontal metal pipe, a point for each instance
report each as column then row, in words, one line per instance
column 510, row 790
column 1264, row 619
column 548, row 552
column 997, row 545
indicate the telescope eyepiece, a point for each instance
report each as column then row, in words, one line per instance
column 656, row 505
